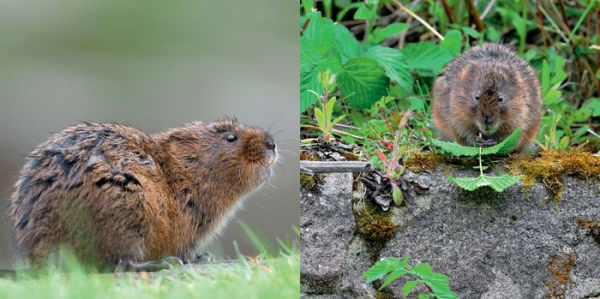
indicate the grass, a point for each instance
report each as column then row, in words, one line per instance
column 277, row 277
column 268, row 276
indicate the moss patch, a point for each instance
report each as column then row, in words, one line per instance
column 374, row 225
column 306, row 157
column 310, row 181
column 419, row 162
column 560, row 275
column 550, row 167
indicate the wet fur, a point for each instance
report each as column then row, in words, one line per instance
column 490, row 70
column 112, row 192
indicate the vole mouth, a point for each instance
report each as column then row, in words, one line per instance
column 487, row 129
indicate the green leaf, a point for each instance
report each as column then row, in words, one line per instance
column 471, row 32
column 564, row 142
column 362, row 81
column 330, row 105
column 409, row 286
column 545, row 77
column 345, row 43
column 426, row 58
column 381, row 34
column 396, row 195
column 499, row 183
column 594, row 104
column 393, row 62
column 381, row 269
column 502, row 148
column 320, row 118
column 492, row 34
column 365, row 13
column 452, row 42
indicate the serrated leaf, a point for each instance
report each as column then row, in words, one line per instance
column 393, row 62
column 452, row 42
column 426, row 58
column 498, row 183
column 502, row 148
column 345, row 43
column 362, row 81
column 380, row 269
column 409, row 286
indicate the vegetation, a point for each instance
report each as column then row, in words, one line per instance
column 385, row 55
column 498, row 183
column 437, row 284
column 267, row 276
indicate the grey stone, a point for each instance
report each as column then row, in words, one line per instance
column 499, row 245
column 326, row 228
column 490, row 245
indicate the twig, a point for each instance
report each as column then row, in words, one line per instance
column 595, row 47
column 487, row 9
column 423, row 22
column 562, row 35
column 448, row 11
column 541, row 21
column 475, row 15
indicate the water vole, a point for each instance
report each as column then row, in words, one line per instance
column 487, row 90
column 118, row 196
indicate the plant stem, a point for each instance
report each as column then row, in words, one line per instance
column 480, row 167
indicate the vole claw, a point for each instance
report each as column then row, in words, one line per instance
column 484, row 142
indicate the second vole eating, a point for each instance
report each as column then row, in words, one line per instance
column 487, row 91
column 118, row 196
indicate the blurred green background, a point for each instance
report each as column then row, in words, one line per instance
column 154, row 65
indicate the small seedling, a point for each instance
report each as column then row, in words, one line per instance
column 324, row 114
column 498, row 183
column 394, row 268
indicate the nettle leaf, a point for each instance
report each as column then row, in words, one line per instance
column 427, row 58
column 381, row 269
column 409, row 286
column 393, row 62
column 362, row 81
column 502, row 148
column 499, row 183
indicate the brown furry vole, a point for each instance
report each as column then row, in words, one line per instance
column 118, row 196
column 487, row 90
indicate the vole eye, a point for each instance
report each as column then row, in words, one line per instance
column 500, row 99
column 231, row 137
column 477, row 97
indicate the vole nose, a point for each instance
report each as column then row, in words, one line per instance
column 270, row 144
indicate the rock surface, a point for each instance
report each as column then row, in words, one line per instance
column 515, row 244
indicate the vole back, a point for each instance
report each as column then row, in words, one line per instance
column 117, row 195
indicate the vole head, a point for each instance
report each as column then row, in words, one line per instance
column 490, row 94
column 224, row 154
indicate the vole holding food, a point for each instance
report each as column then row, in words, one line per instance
column 491, row 91
column 119, row 196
